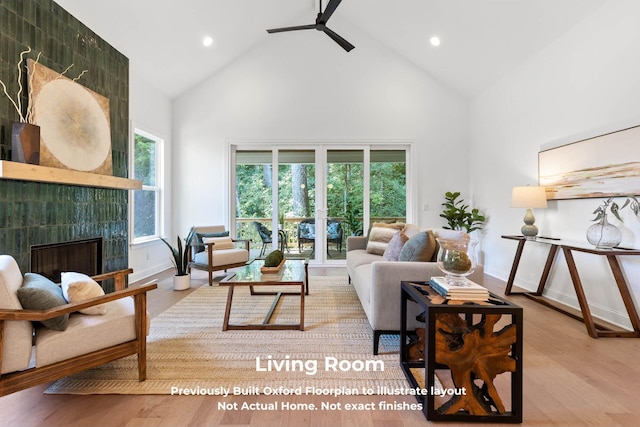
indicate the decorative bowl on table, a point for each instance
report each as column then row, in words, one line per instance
column 457, row 259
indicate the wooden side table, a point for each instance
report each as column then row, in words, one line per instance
column 594, row 329
column 473, row 343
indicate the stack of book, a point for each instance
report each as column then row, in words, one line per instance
column 469, row 291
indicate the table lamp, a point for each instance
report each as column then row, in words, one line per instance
column 529, row 197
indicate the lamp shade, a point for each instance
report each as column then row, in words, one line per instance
column 528, row 197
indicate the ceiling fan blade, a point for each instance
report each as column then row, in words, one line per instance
column 338, row 39
column 328, row 11
column 298, row 27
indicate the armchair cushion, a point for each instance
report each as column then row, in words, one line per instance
column 219, row 243
column 87, row 333
column 78, row 287
column 223, row 257
column 16, row 356
column 39, row 293
column 199, row 239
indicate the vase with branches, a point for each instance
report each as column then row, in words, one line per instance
column 603, row 234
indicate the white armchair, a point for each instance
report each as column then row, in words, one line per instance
column 32, row 354
column 211, row 249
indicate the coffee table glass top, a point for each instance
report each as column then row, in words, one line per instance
column 292, row 271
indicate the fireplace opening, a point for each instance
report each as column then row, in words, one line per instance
column 82, row 256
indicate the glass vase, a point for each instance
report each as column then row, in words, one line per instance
column 604, row 235
column 457, row 259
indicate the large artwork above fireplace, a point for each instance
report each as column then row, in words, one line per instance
column 74, row 122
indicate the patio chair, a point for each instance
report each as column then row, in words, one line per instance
column 265, row 235
column 211, row 249
column 307, row 233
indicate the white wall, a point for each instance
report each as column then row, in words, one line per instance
column 150, row 109
column 302, row 86
column 583, row 84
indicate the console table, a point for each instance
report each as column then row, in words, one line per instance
column 467, row 343
column 594, row 329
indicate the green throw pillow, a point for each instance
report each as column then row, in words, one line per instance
column 419, row 247
column 39, row 293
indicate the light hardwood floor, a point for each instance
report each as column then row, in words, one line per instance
column 570, row 379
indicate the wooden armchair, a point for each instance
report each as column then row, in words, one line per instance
column 211, row 249
column 88, row 340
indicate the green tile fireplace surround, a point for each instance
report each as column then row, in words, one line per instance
column 33, row 213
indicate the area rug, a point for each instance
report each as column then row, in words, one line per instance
column 187, row 349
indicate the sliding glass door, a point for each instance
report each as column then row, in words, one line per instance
column 316, row 198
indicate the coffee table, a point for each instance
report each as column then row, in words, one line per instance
column 293, row 273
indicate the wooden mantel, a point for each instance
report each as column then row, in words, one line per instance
column 27, row 172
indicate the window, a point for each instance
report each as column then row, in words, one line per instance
column 146, row 166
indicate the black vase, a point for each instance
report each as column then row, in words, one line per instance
column 25, row 143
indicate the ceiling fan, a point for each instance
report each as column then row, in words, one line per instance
column 320, row 25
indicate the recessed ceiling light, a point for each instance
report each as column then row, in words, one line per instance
column 435, row 41
column 207, row 41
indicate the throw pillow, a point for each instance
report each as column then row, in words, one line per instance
column 39, row 293
column 392, row 253
column 419, row 248
column 200, row 236
column 219, row 243
column 78, row 287
column 380, row 235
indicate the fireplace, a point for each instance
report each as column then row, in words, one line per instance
column 82, row 256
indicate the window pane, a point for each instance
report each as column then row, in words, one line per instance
column 144, row 213
column 345, row 183
column 254, row 176
column 388, row 189
column 145, row 160
column 296, row 201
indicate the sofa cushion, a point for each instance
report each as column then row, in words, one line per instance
column 39, row 293
column 78, row 287
column 17, row 335
column 419, row 248
column 380, row 235
column 392, row 253
column 87, row 333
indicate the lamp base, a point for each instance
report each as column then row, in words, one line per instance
column 529, row 230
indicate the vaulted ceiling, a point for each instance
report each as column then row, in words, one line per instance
column 481, row 40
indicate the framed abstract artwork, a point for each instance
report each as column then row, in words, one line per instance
column 603, row 166
column 75, row 131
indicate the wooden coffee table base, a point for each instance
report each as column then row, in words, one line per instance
column 265, row 325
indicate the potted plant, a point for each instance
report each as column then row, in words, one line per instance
column 180, row 260
column 351, row 222
column 458, row 216
column 604, row 235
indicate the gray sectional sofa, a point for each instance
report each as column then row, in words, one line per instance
column 377, row 283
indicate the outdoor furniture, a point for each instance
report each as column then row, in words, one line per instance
column 265, row 236
column 33, row 354
column 307, row 233
column 211, row 249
